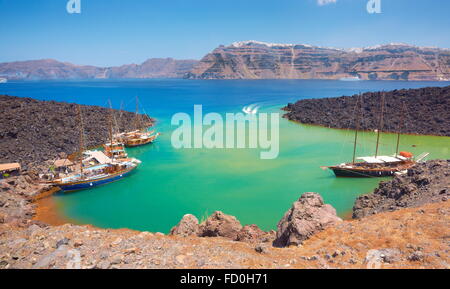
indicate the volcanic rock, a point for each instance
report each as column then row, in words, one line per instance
column 188, row 226
column 413, row 111
column 33, row 131
column 220, row 225
column 307, row 216
column 426, row 182
column 253, row 234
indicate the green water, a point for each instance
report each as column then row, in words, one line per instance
column 171, row 183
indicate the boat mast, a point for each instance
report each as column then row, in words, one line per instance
column 402, row 124
column 80, row 116
column 110, row 123
column 357, row 120
column 137, row 120
column 380, row 127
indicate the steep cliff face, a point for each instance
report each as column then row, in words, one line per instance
column 52, row 69
column 259, row 60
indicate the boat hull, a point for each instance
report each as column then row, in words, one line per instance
column 89, row 184
column 361, row 173
column 131, row 144
column 143, row 143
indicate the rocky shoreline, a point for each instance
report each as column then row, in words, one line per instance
column 380, row 241
column 425, row 183
column 427, row 111
column 403, row 224
column 33, row 131
column 310, row 235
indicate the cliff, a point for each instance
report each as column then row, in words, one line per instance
column 49, row 69
column 259, row 60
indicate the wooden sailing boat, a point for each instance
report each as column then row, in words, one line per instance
column 376, row 166
column 95, row 168
column 114, row 148
column 140, row 136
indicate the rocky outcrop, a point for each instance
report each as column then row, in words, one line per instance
column 427, row 111
column 188, row 226
column 374, row 242
column 220, row 225
column 53, row 69
column 425, row 183
column 259, row 60
column 307, row 216
column 33, row 131
column 16, row 200
column 253, row 234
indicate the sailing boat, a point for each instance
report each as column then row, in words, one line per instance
column 95, row 168
column 114, row 148
column 376, row 166
column 140, row 136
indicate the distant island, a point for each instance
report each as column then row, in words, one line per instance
column 50, row 69
column 260, row 60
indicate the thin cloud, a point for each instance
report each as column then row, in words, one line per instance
column 325, row 2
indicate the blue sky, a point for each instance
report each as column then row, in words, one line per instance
column 115, row 32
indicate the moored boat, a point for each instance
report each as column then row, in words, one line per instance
column 376, row 166
column 137, row 138
column 140, row 136
column 96, row 168
column 380, row 166
column 96, row 175
column 115, row 150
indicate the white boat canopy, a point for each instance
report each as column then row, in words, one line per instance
column 380, row 159
column 99, row 156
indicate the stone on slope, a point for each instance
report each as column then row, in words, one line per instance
column 307, row 216
column 220, row 225
column 425, row 183
column 188, row 226
column 253, row 234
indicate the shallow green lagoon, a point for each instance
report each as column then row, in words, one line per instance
column 171, row 183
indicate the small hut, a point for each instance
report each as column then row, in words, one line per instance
column 9, row 170
column 63, row 166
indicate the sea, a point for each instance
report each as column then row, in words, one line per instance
column 172, row 182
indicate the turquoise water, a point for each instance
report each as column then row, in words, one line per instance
column 171, row 183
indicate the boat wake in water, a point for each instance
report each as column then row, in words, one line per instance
column 251, row 109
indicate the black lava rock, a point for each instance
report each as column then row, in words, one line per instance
column 33, row 131
column 427, row 111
